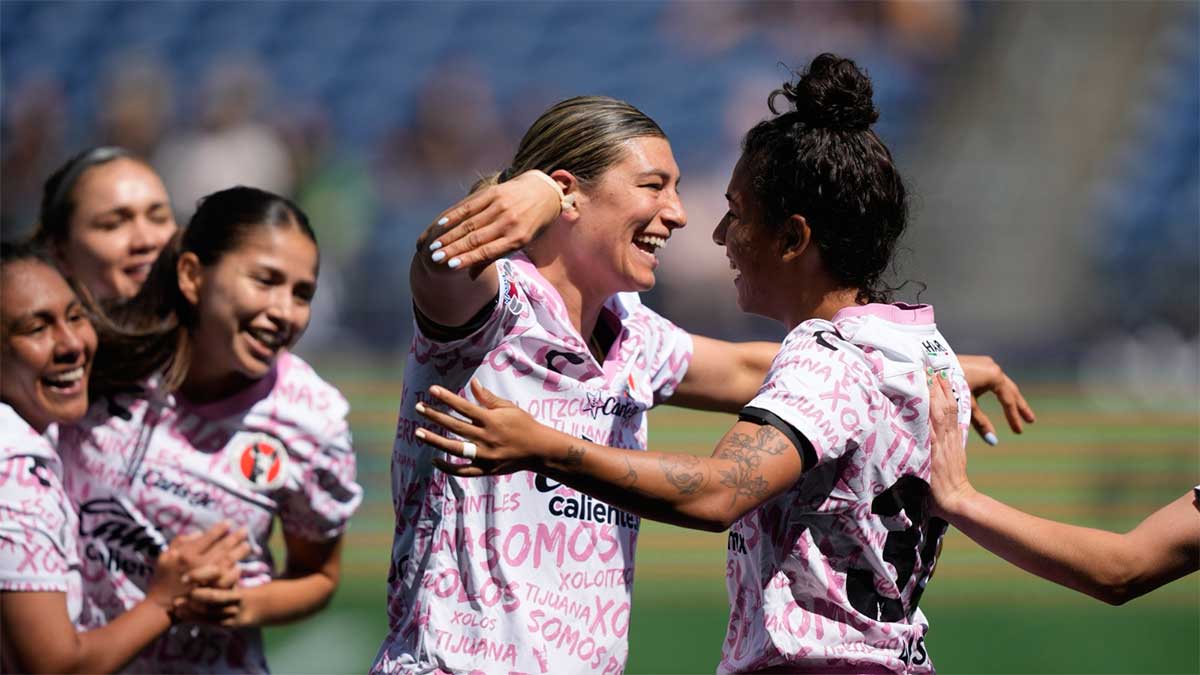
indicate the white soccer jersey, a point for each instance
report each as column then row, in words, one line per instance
column 38, row 525
column 518, row 573
column 826, row 577
column 143, row 470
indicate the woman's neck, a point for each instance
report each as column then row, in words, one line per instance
column 825, row 306
column 201, row 386
column 583, row 302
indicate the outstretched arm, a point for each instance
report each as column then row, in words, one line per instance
column 750, row 465
column 1111, row 567
column 723, row 376
column 985, row 375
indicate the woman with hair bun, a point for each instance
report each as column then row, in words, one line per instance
column 823, row 481
column 105, row 216
column 206, row 415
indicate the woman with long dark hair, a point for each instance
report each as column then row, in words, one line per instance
column 206, row 415
column 47, row 343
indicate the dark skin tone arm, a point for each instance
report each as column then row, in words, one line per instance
column 749, row 466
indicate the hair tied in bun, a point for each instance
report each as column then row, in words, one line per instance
column 832, row 94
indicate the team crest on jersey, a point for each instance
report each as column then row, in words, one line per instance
column 259, row 461
column 512, row 301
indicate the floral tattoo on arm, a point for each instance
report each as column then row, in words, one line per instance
column 746, row 453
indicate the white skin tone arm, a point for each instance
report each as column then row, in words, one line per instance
column 468, row 239
column 1108, row 566
column 55, row 646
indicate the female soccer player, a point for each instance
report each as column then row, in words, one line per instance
column 1111, row 567
column 224, row 424
column 105, row 215
column 47, row 343
column 486, row 574
column 823, row 480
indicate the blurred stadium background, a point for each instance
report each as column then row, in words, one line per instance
column 1053, row 151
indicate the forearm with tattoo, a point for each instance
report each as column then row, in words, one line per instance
column 750, row 465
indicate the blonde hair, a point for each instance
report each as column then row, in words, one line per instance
column 582, row 135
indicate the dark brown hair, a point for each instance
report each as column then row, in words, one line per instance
column 152, row 332
column 820, row 159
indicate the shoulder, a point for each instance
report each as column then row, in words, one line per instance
column 302, row 397
column 817, row 350
column 18, row 439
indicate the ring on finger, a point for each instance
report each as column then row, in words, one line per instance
column 469, row 450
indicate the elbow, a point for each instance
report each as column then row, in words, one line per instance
column 714, row 519
column 1119, row 581
column 1115, row 593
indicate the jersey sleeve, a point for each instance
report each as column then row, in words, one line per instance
column 329, row 493
column 33, row 555
column 501, row 317
column 812, row 391
column 669, row 353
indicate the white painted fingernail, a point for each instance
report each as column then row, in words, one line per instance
column 419, row 433
column 437, row 257
column 420, row 407
column 435, row 246
column 454, row 262
column 443, row 220
column 990, row 438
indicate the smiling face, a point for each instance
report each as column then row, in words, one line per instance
column 251, row 304
column 48, row 343
column 753, row 250
column 627, row 216
column 121, row 220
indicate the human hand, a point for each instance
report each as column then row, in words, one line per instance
column 493, row 222
column 210, row 554
column 500, row 437
column 948, row 481
column 984, row 375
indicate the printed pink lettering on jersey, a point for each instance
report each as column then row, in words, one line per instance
column 520, row 560
column 855, row 388
column 279, row 449
column 39, row 549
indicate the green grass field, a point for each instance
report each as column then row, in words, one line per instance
column 1077, row 464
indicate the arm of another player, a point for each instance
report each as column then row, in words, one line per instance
column 55, row 646
column 1111, row 567
column 985, row 375
column 749, row 466
column 723, row 376
column 452, row 274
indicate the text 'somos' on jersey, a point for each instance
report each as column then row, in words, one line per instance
column 826, row 577
column 518, row 573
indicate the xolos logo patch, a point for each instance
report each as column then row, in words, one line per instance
column 260, row 461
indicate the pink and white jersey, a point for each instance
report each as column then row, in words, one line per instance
column 143, row 470
column 517, row 573
column 38, row 544
column 826, row 577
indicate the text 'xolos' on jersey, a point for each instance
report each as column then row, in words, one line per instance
column 519, row 573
